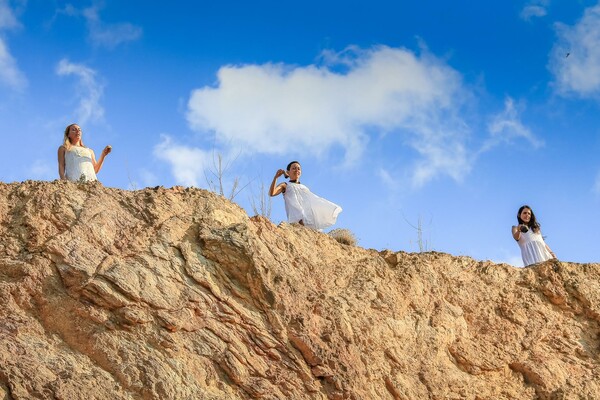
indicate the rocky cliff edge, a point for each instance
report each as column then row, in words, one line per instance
column 178, row 294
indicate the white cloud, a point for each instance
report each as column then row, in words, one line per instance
column 10, row 74
column 191, row 165
column 109, row 35
column 89, row 90
column 101, row 33
column 442, row 143
column 575, row 57
column 188, row 164
column 506, row 126
column 280, row 109
column 7, row 16
column 534, row 9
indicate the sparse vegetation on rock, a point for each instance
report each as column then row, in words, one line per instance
column 343, row 236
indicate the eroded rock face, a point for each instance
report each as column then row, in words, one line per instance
column 177, row 294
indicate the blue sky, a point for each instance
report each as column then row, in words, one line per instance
column 451, row 114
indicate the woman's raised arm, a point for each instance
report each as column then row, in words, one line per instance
column 98, row 165
column 275, row 190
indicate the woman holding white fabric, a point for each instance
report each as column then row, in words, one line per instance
column 75, row 161
column 301, row 205
column 529, row 237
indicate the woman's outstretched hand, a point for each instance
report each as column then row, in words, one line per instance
column 523, row 228
column 106, row 150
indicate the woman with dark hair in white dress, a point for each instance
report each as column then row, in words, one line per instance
column 301, row 205
column 529, row 237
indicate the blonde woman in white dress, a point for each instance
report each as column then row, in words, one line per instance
column 75, row 161
column 529, row 237
column 301, row 205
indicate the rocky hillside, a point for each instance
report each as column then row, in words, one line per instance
column 178, row 294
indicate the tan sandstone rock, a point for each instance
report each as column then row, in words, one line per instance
column 178, row 294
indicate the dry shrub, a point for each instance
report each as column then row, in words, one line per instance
column 343, row 236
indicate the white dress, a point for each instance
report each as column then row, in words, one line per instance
column 533, row 248
column 314, row 211
column 78, row 164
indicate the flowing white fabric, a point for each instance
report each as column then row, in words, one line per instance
column 78, row 164
column 314, row 211
column 533, row 248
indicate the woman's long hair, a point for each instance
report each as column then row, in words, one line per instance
column 533, row 224
column 66, row 141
